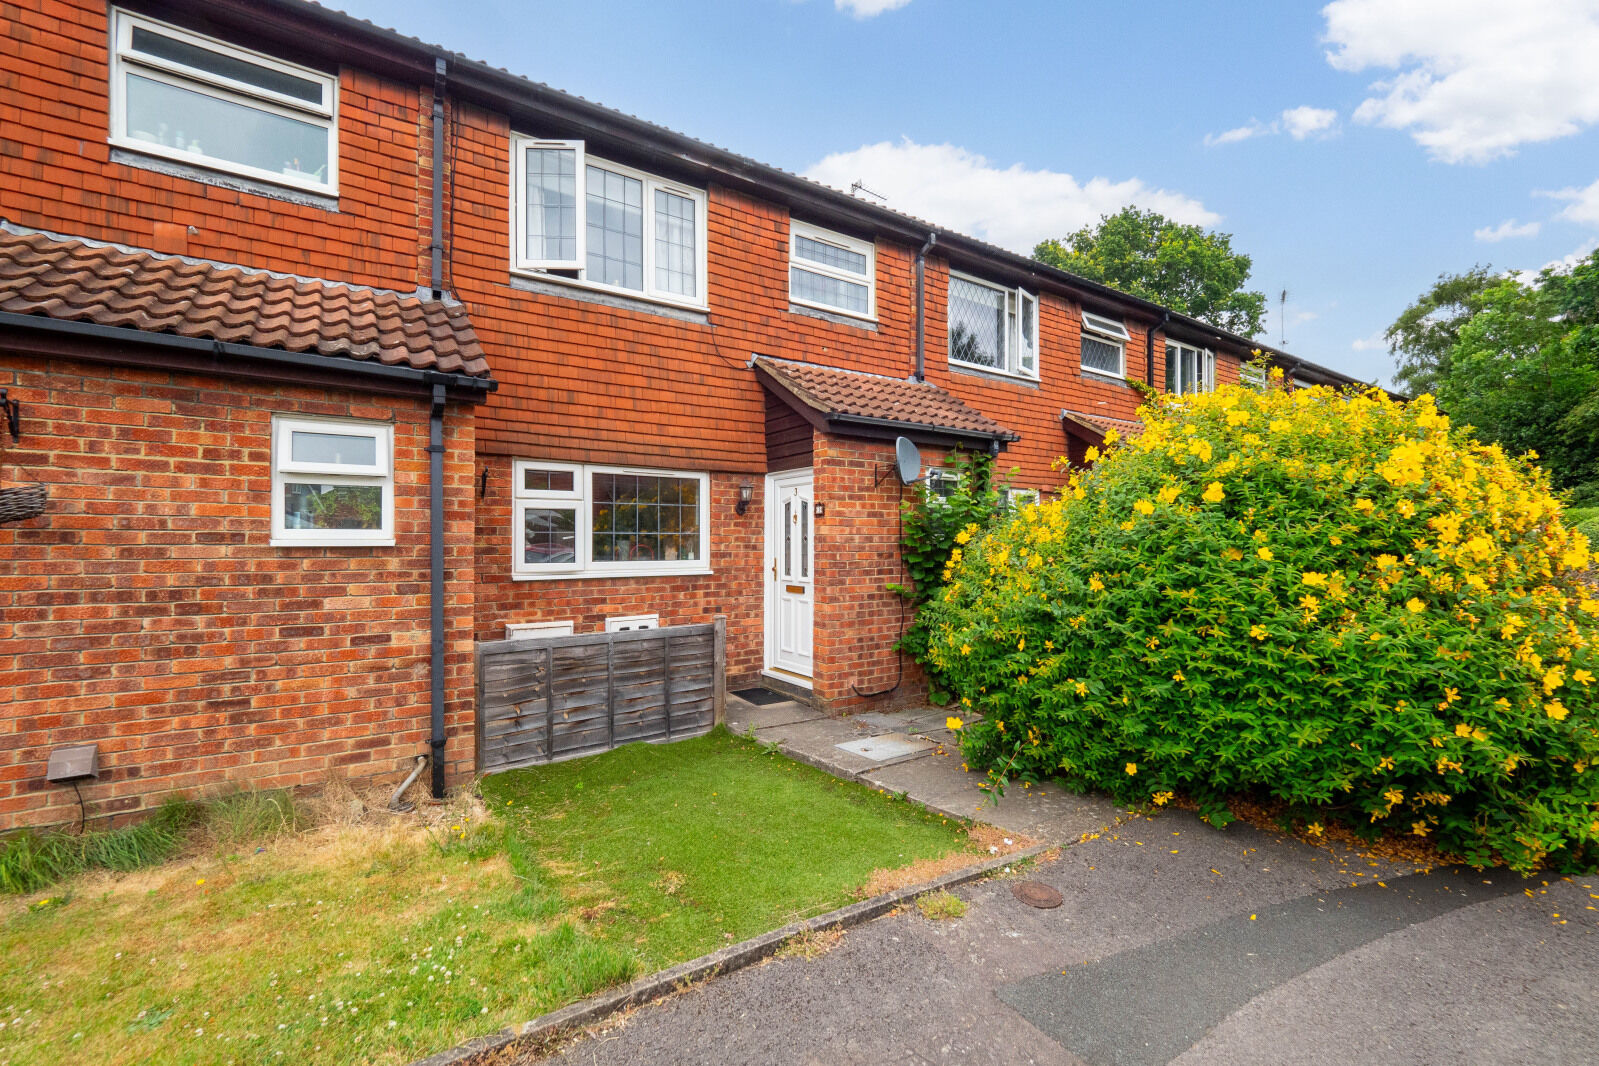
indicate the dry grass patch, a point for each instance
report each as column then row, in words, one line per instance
column 986, row 841
column 810, row 944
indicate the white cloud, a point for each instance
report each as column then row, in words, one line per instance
column 1473, row 79
column 865, row 9
column 1012, row 207
column 1239, row 133
column 1301, row 122
column 1506, row 230
column 1566, row 262
column 1298, row 122
column 1582, row 204
column 1374, row 342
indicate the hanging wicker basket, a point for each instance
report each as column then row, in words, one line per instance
column 18, row 503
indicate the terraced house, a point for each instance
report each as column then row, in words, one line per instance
column 337, row 353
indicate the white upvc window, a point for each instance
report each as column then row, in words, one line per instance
column 332, row 482
column 571, row 520
column 942, row 484
column 1104, row 345
column 182, row 96
column 602, row 225
column 992, row 327
column 1189, row 369
column 1252, row 375
column 832, row 272
column 1014, row 497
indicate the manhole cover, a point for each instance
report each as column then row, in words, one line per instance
column 1036, row 894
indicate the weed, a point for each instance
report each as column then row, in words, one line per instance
column 941, row 906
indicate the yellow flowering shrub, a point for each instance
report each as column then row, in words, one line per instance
column 1333, row 599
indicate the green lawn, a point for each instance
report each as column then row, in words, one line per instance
column 386, row 943
column 691, row 845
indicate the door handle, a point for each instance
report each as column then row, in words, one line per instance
column 774, row 569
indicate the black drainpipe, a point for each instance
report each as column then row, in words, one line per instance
column 1149, row 349
column 436, row 459
column 921, row 306
column 437, row 277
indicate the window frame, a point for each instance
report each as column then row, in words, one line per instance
column 797, row 229
column 1020, row 363
column 1253, row 376
column 581, row 499
column 1111, row 331
column 285, row 471
column 125, row 59
column 1207, row 368
column 549, row 270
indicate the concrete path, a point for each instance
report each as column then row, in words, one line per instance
column 930, row 773
column 1176, row 944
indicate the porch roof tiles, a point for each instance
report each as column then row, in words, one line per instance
column 853, row 398
column 1093, row 427
column 68, row 278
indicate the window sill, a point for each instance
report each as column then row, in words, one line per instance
column 131, row 157
column 601, row 575
column 989, row 373
column 279, row 543
column 833, row 315
column 573, row 289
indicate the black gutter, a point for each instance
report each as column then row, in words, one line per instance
column 921, row 306
column 993, row 442
column 521, row 98
column 436, row 584
column 201, row 346
column 1149, row 349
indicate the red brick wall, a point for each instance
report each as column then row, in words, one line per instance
column 857, row 558
column 146, row 611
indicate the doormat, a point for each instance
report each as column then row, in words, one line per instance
column 761, row 697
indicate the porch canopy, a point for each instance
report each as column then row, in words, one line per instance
column 852, row 403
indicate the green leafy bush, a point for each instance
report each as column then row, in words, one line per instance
column 1334, row 600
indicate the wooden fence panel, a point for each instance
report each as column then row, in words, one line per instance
column 541, row 701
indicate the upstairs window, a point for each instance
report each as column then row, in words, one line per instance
column 181, row 96
column 1104, row 345
column 992, row 327
column 1189, row 369
column 831, row 271
column 582, row 219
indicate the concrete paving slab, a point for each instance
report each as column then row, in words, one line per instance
column 743, row 716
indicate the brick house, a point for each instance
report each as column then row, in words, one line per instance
column 235, row 228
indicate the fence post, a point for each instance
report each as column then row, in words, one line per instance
column 719, row 668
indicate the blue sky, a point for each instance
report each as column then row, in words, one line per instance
column 1355, row 150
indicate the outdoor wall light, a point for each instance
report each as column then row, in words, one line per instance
column 746, row 493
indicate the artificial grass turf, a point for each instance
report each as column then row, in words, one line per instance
column 592, row 872
column 680, row 848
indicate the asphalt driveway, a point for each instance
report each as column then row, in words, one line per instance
column 1176, row 944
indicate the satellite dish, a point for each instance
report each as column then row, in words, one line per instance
column 908, row 459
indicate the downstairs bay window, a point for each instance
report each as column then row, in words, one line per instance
column 570, row 520
column 580, row 219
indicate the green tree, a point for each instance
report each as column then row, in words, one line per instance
column 1519, row 361
column 1146, row 254
column 1423, row 335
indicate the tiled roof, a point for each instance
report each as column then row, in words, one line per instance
column 853, row 394
column 1096, row 426
column 110, row 285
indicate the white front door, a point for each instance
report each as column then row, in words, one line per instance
column 790, row 573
